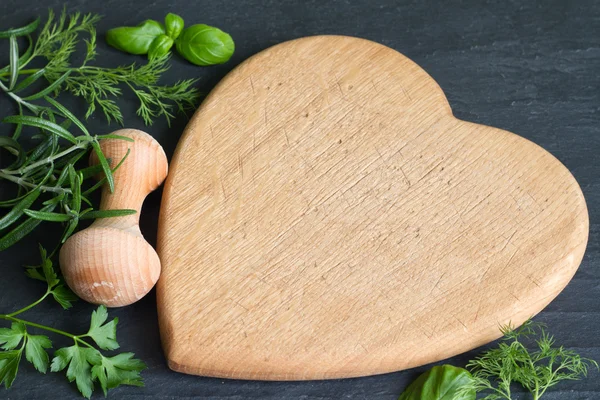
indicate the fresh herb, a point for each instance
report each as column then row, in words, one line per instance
column 47, row 172
column 135, row 39
column 205, row 45
column 173, row 25
column 160, row 46
column 537, row 368
column 526, row 355
column 85, row 364
column 99, row 86
column 443, row 382
column 199, row 44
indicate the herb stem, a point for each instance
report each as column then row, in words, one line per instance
column 76, row 338
column 22, row 310
column 22, row 72
column 39, row 326
column 22, row 182
column 84, row 142
column 35, row 109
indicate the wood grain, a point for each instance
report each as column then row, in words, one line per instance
column 326, row 216
column 110, row 262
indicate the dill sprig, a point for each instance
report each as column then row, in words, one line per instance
column 99, row 86
column 536, row 364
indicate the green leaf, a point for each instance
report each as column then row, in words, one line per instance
column 67, row 114
column 9, row 366
column 41, row 123
column 105, row 335
column 101, row 181
column 14, row 62
column 55, row 200
column 205, row 45
column 135, row 39
column 34, row 273
column 24, row 57
column 35, row 351
column 75, row 183
column 121, row 369
column 25, row 30
column 160, row 47
column 79, row 361
column 10, row 144
column 50, row 88
column 48, row 216
column 17, row 211
column 173, row 25
column 105, row 167
column 440, row 383
column 70, row 229
column 25, row 83
column 64, row 296
column 11, row 337
column 22, row 230
column 107, row 214
column 112, row 136
column 42, row 150
column 50, row 275
column 91, row 171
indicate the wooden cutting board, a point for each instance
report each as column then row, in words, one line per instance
column 326, row 216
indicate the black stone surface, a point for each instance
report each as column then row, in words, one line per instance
column 531, row 67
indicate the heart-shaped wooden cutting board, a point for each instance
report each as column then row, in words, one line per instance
column 326, row 216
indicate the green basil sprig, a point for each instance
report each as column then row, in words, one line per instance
column 199, row 44
column 444, row 382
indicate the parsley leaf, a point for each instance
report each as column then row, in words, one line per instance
column 105, row 335
column 64, row 296
column 9, row 366
column 79, row 359
column 11, row 337
column 45, row 272
column 35, row 351
column 121, row 369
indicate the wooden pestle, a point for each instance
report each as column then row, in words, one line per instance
column 110, row 262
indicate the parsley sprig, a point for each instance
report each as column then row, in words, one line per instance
column 83, row 361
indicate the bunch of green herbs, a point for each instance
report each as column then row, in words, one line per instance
column 43, row 180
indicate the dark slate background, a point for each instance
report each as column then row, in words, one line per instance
column 531, row 67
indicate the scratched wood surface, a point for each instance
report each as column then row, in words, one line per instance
column 326, row 216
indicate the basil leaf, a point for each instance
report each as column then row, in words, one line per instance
column 135, row 39
column 440, row 383
column 205, row 45
column 173, row 25
column 160, row 46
